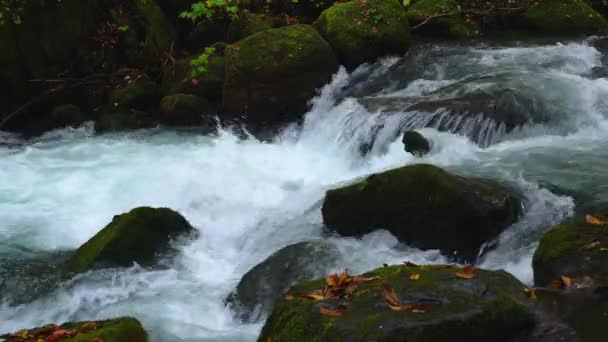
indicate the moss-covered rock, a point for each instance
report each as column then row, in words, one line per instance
column 177, row 79
column 572, row 249
column 138, row 93
column 304, row 11
column 415, row 143
column 267, row 281
column 246, row 24
column 489, row 307
column 426, row 207
column 184, row 110
column 570, row 17
column 67, row 115
column 361, row 31
column 451, row 26
column 137, row 236
column 118, row 329
column 271, row 75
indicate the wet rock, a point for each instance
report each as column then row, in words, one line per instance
column 425, row 207
column 450, row 26
column 267, row 281
column 271, row 75
column 570, row 17
column 208, row 85
column 117, row 329
column 67, row 115
column 138, row 93
column 248, row 24
column 415, row 143
column 358, row 37
column 572, row 249
column 140, row 236
column 185, row 110
column 489, row 307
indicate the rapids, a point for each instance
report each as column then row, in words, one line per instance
column 250, row 198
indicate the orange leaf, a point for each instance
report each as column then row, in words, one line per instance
column 566, row 281
column 467, row 272
column 415, row 276
column 360, row 279
column 351, row 288
column 400, row 307
column 338, row 311
column 315, row 295
column 389, row 295
column 594, row 220
column 60, row 335
column 289, row 297
column 603, row 249
column 236, row 47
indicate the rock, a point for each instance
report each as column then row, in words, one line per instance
column 160, row 34
column 120, row 119
column 271, row 75
column 138, row 94
column 67, row 115
column 415, row 143
column 572, row 17
column 425, row 207
column 572, row 249
column 599, row 5
column 452, row 26
column 185, row 110
column 246, row 25
column 208, row 85
column 117, row 329
column 489, row 307
column 137, row 236
column 267, row 281
column 303, row 11
column 358, row 37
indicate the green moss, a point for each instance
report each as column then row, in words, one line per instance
column 160, row 33
column 560, row 240
column 247, row 24
column 176, row 79
column 363, row 32
column 570, row 17
column 136, row 236
column 119, row 329
column 136, row 94
column 183, row 109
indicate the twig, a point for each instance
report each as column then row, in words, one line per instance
column 469, row 12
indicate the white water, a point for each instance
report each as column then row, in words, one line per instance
column 250, row 198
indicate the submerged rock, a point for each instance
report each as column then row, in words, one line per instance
column 140, row 236
column 425, row 207
column 489, row 307
column 362, row 31
column 415, row 143
column 267, row 281
column 573, row 249
column 121, row 329
column 571, row 17
column 271, row 75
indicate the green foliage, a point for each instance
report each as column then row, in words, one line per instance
column 11, row 10
column 199, row 64
column 211, row 10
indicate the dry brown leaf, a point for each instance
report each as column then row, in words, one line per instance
column 338, row 311
column 289, row 297
column 315, row 295
column 359, row 279
column 389, row 294
column 415, row 276
column 467, row 272
column 603, row 249
column 410, row 264
column 566, row 281
column 351, row 288
column 422, row 307
column 593, row 220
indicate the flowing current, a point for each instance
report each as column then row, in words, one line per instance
column 249, row 198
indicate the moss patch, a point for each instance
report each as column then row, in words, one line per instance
column 572, row 17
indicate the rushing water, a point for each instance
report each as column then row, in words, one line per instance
column 250, row 198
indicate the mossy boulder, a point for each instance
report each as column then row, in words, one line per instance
column 304, row 11
column 425, row 207
column 362, row 31
column 246, row 24
column 489, row 307
column 415, row 143
column 451, row 26
column 137, row 93
column 140, row 236
column 185, row 110
column 67, row 115
column 267, row 281
column 569, row 17
column 117, row 329
column 271, row 75
column 572, row 249
column 178, row 79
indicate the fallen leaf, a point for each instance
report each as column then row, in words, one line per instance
column 592, row 244
column 289, row 297
column 351, row 288
column 315, row 295
column 422, row 307
column 415, row 276
column 60, row 335
column 467, row 272
column 236, row 47
column 338, row 311
column 97, row 339
column 596, row 221
column 359, row 279
column 567, row 281
column 89, row 326
column 531, row 292
column 195, row 82
column 603, row 249
column 389, row 294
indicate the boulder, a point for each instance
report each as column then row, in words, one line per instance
column 67, row 115
column 208, row 85
column 450, row 26
column 425, row 207
column 489, row 307
column 267, row 281
column 117, row 329
column 362, row 31
column 570, row 17
column 185, row 110
column 302, row 11
column 415, row 143
column 271, row 75
column 140, row 236
column 572, row 249
column 247, row 24
column 137, row 93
